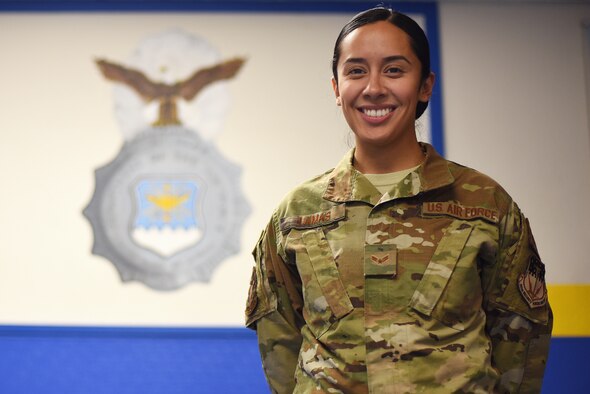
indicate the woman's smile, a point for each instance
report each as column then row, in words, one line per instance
column 376, row 115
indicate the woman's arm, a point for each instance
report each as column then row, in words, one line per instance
column 274, row 311
column 519, row 318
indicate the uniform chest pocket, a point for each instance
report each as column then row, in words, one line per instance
column 324, row 295
column 450, row 289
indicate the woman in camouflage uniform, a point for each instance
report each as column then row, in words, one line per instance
column 397, row 271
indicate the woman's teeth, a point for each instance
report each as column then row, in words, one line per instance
column 377, row 113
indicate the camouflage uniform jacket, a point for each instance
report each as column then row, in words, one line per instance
column 434, row 287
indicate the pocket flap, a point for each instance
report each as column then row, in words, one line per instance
column 327, row 274
column 380, row 260
column 440, row 267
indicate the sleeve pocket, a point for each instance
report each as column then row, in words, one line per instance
column 258, row 304
column 522, row 281
column 261, row 299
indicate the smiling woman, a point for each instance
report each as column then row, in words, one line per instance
column 416, row 274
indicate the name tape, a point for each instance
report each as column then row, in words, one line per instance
column 313, row 220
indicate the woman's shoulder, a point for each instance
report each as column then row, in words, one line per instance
column 464, row 173
column 474, row 182
column 306, row 197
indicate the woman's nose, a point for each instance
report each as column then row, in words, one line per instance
column 375, row 86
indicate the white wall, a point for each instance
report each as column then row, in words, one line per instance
column 515, row 108
column 58, row 126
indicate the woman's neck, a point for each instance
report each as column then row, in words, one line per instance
column 382, row 160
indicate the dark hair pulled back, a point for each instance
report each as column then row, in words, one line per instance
column 417, row 38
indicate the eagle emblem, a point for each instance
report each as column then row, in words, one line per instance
column 168, row 209
column 168, row 94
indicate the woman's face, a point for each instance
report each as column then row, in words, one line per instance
column 379, row 85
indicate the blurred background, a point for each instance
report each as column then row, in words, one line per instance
column 513, row 101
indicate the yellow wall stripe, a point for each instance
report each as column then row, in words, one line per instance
column 571, row 309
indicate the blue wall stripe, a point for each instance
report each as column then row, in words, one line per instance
column 129, row 360
column 46, row 359
column 201, row 5
column 436, row 102
column 568, row 368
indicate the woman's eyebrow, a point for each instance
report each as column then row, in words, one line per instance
column 388, row 59
column 394, row 58
column 356, row 60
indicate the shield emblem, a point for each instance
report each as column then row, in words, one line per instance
column 532, row 283
column 166, row 219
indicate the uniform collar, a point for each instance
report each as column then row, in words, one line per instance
column 347, row 184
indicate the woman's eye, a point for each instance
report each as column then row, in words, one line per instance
column 393, row 70
column 356, row 71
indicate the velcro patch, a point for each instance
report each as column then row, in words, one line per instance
column 460, row 211
column 531, row 284
column 381, row 260
column 318, row 219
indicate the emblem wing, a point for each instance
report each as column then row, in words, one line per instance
column 189, row 88
column 135, row 79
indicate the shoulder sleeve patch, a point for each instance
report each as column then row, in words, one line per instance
column 531, row 283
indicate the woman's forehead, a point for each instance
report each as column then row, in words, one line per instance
column 379, row 38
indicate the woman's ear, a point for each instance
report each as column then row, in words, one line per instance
column 336, row 91
column 426, row 88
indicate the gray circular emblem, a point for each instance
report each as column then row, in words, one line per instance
column 168, row 209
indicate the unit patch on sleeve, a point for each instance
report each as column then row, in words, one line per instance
column 531, row 283
column 459, row 211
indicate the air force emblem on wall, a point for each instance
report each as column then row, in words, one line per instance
column 166, row 215
column 169, row 208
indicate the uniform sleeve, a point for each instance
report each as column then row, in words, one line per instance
column 274, row 311
column 519, row 318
